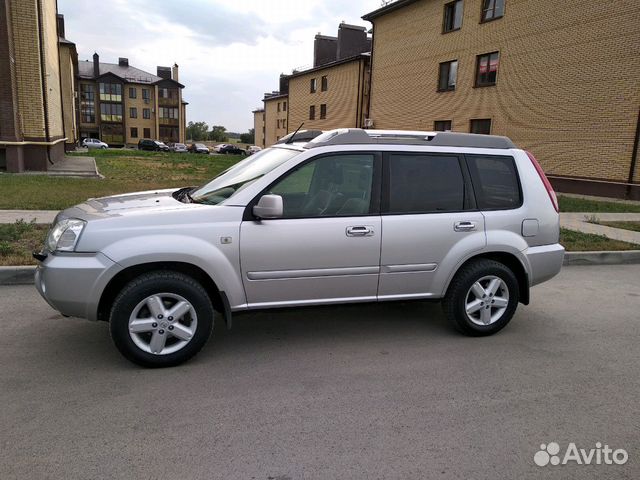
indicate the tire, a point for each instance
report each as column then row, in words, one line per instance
column 138, row 303
column 103, row 148
column 470, row 312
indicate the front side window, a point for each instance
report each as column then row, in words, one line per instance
column 495, row 181
column 492, row 9
column 332, row 186
column 448, row 76
column 487, row 69
column 452, row 16
column 424, row 183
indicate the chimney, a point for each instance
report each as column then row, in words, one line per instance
column 324, row 50
column 174, row 72
column 164, row 72
column 284, row 84
column 123, row 62
column 352, row 40
column 96, row 65
column 60, row 21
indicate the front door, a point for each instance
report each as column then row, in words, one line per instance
column 326, row 248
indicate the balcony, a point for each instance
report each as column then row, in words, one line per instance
column 168, row 121
column 168, row 102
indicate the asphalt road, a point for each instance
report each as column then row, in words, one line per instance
column 355, row 392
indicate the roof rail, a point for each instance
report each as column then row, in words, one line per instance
column 358, row 136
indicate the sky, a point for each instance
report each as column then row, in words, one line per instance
column 229, row 52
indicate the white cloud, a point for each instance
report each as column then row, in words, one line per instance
column 229, row 53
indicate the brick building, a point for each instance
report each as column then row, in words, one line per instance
column 259, row 127
column 32, row 127
column 559, row 78
column 121, row 104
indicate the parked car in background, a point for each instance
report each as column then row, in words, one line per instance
column 178, row 147
column 93, row 143
column 253, row 149
column 352, row 216
column 150, row 145
column 163, row 146
column 232, row 149
column 218, row 147
column 198, row 148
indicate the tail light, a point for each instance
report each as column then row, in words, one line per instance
column 545, row 181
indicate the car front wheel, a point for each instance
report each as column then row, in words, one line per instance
column 482, row 297
column 161, row 319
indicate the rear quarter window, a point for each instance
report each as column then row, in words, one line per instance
column 495, row 181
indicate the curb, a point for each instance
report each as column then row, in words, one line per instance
column 25, row 275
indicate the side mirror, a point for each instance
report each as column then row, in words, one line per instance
column 269, row 206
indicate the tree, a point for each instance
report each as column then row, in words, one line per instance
column 248, row 137
column 217, row 134
column 197, row 131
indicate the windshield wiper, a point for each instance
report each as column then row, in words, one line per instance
column 184, row 193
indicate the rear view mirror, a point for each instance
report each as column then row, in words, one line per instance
column 269, row 206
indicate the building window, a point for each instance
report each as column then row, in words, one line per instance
column 480, row 125
column 313, row 85
column 452, row 16
column 87, row 103
column 278, row 106
column 442, row 125
column 133, row 92
column 110, row 92
column 487, row 69
column 147, row 133
column 323, row 110
column 134, row 132
column 284, row 106
column 312, row 112
column 145, row 95
column 448, row 76
column 111, row 112
column 168, row 115
column 492, row 9
column 146, row 113
column 133, row 112
column 112, row 133
column 324, row 83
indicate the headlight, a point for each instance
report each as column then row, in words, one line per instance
column 64, row 235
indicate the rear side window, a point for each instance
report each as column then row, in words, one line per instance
column 424, row 183
column 495, row 181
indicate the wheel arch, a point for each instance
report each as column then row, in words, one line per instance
column 218, row 298
column 509, row 260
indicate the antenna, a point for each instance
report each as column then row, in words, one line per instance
column 294, row 133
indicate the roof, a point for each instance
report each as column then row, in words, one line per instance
column 258, row 110
column 128, row 73
column 273, row 96
column 65, row 41
column 387, row 9
column 331, row 64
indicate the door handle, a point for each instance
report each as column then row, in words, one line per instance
column 360, row 231
column 464, row 226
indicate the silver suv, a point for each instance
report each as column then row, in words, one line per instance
column 351, row 216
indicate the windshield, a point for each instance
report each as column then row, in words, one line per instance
column 243, row 173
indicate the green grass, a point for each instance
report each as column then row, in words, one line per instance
column 18, row 240
column 585, row 242
column 124, row 171
column 633, row 226
column 572, row 204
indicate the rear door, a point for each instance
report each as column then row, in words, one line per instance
column 429, row 223
column 326, row 247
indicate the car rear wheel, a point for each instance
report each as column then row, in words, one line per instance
column 161, row 319
column 482, row 298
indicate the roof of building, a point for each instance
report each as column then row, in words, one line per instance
column 65, row 41
column 274, row 96
column 330, row 64
column 128, row 73
column 258, row 110
column 387, row 9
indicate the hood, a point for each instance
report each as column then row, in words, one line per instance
column 127, row 204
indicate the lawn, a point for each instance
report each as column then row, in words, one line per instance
column 124, row 171
column 572, row 204
column 585, row 242
column 633, row 226
column 18, row 240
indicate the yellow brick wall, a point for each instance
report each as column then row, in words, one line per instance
column 258, row 125
column 568, row 79
column 272, row 132
column 138, row 102
column 342, row 98
column 27, row 64
column 52, row 68
column 67, row 80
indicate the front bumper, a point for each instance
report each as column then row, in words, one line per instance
column 545, row 262
column 73, row 283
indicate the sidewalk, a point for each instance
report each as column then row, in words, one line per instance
column 84, row 167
